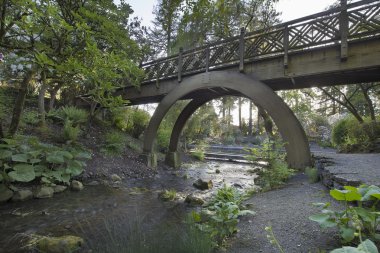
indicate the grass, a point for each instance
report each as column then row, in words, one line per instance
column 312, row 174
column 124, row 235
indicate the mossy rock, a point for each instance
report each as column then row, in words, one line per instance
column 62, row 244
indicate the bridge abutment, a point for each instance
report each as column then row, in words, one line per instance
column 149, row 159
column 173, row 159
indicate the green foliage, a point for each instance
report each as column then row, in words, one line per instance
column 199, row 152
column 126, row 235
column 354, row 220
column 277, row 171
column 132, row 120
column 364, row 247
column 312, row 174
column 168, row 195
column 275, row 175
column 73, row 115
column 350, row 135
column 225, row 209
column 30, row 117
column 25, row 159
column 70, row 132
column 115, row 143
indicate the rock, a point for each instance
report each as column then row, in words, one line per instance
column 44, row 192
column 22, row 195
column 5, row 194
column 93, row 183
column 59, row 188
column 202, row 185
column 217, row 171
column 76, row 185
column 115, row 178
column 63, row 244
column 193, row 200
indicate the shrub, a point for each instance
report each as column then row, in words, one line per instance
column 312, row 174
column 353, row 221
column 75, row 115
column 115, row 143
column 140, row 121
column 30, row 117
column 225, row 209
column 133, row 121
column 70, row 132
column 349, row 135
column 25, row 159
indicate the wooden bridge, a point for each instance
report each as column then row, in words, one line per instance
column 339, row 46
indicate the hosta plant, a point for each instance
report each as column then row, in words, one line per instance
column 25, row 159
column 362, row 218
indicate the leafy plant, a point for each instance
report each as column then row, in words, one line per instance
column 25, row 159
column 312, row 174
column 199, row 151
column 364, row 247
column 74, row 115
column 225, row 209
column 277, row 171
column 115, row 143
column 70, row 132
column 354, row 220
column 168, row 195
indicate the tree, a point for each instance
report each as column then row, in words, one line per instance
column 60, row 43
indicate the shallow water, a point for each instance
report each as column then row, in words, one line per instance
column 95, row 211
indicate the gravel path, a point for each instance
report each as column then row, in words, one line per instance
column 287, row 211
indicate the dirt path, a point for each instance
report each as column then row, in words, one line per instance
column 287, row 211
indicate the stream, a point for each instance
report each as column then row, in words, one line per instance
column 108, row 214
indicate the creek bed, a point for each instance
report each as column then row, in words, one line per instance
column 97, row 211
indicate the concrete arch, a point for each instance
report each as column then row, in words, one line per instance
column 297, row 147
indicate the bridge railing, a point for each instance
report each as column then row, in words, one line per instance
column 341, row 25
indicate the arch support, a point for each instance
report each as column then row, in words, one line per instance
column 173, row 158
column 297, row 146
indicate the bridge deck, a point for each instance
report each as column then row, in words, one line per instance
column 339, row 46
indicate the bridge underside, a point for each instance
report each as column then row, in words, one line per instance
column 227, row 82
column 306, row 68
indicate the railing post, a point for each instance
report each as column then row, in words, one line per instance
column 157, row 75
column 343, row 28
column 179, row 67
column 207, row 66
column 241, row 49
column 286, row 46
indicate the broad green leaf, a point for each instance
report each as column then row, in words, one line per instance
column 22, row 158
column 55, row 158
column 369, row 192
column 34, row 160
column 365, row 214
column 322, row 205
column 324, row 220
column 82, row 155
column 368, row 247
column 347, row 233
column 39, row 169
column 5, row 154
column 74, row 168
column 65, row 154
column 346, row 195
column 346, row 250
column 22, row 173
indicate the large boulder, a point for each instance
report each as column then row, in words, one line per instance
column 203, row 185
column 59, row 188
column 193, row 200
column 5, row 193
column 115, row 178
column 44, row 192
column 76, row 185
column 22, row 195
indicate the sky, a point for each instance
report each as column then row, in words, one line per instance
column 291, row 9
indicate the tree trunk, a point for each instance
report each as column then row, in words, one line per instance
column 41, row 103
column 369, row 102
column 250, row 125
column 19, row 104
column 268, row 124
column 53, row 95
column 240, row 123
